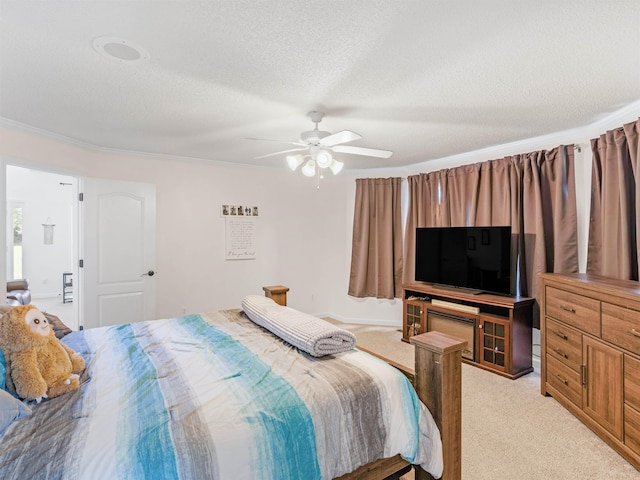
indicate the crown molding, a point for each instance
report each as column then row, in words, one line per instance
column 5, row 122
column 578, row 136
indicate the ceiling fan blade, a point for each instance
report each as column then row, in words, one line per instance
column 341, row 137
column 280, row 153
column 370, row 152
column 277, row 141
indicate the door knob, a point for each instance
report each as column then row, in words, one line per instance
column 150, row 273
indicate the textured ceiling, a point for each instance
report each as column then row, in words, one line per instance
column 426, row 79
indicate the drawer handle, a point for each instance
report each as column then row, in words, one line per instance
column 563, row 380
column 635, row 332
column 567, row 309
column 559, row 352
column 561, row 335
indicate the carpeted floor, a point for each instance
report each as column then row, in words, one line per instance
column 509, row 430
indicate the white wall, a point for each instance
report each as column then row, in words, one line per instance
column 303, row 234
column 3, row 224
column 298, row 232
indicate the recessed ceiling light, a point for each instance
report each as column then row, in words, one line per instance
column 120, row 50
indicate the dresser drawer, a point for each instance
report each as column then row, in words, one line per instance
column 565, row 380
column 564, row 343
column 632, row 382
column 632, row 428
column 575, row 310
column 621, row 326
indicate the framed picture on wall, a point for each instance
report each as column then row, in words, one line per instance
column 229, row 210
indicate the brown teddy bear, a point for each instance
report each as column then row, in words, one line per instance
column 38, row 364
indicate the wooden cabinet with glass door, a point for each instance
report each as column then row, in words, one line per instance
column 494, row 342
column 414, row 318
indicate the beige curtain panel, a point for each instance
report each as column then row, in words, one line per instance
column 615, row 203
column 426, row 209
column 376, row 256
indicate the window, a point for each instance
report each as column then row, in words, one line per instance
column 16, row 219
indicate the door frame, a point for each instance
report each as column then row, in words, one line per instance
column 5, row 162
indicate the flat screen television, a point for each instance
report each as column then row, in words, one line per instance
column 478, row 259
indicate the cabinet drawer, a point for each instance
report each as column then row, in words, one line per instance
column 565, row 380
column 621, row 326
column 564, row 343
column 632, row 382
column 575, row 310
column 632, row 428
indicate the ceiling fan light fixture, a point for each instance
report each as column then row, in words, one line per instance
column 318, row 147
column 294, row 161
column 309, row 169
column 324, row 159
column 336, row 166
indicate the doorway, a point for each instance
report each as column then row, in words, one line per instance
column 112, row 230
column 42, row 235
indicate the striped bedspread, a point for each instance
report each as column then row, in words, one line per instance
column 216, row 397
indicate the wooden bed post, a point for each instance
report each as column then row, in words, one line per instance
column 278, row 293
column 438, row 382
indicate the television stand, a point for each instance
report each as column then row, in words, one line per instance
column 498, row 328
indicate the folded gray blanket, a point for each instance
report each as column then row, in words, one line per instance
column 311, row 334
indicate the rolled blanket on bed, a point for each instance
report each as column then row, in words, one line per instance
column 311, row 334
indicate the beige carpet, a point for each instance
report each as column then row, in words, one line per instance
column 509, row 430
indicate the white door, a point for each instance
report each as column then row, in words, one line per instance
column 118, row 252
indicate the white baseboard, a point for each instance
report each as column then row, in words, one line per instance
column 535, row 361
column 362, row 321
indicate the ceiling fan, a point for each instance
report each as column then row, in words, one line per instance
column 319, row 144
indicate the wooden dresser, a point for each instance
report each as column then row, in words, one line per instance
column 590, row 355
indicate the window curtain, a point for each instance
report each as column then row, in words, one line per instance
column 615, row 204
column 376, row 256
column 426, row 209
column 534, row 193
column 549, row 217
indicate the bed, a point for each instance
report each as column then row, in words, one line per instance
column 217, row 396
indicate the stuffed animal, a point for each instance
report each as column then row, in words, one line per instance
column 38, row 364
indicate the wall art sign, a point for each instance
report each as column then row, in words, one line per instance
column 240, row 236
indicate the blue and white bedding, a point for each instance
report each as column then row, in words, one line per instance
column 215, row 396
